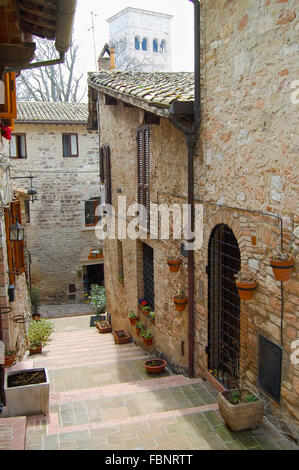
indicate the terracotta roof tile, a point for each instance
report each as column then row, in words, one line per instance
column 157, row 89
column 46, row 112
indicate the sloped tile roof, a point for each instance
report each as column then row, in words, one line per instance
column 46, row 112
column 155, row 89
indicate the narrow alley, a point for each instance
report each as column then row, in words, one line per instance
column 101, row 397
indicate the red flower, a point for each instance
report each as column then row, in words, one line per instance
column 6, row 132
column 143, row 303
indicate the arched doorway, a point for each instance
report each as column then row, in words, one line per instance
column 223, row 305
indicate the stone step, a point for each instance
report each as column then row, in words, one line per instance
column 81, row 346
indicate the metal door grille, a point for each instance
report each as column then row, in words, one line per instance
column 223, row 305
column 148, row 275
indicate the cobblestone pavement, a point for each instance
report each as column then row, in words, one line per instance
column 102, row 398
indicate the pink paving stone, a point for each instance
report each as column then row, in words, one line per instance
column 119, row 389
column 58, row 366
column 18, row 430
column 138, row 419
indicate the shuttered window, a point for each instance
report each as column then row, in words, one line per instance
column 18, row 247
column 144, row 176
column 105, row 172
column 9, row 245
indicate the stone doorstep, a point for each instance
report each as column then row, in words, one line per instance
column 18, row 426
column 120, row 389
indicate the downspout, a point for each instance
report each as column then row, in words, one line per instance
column 65, row 16
column 191, row 139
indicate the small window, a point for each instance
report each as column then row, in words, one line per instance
column 91, row 219
column 27, row 211
column 163, row 46
column 17, row 147
column 155, row 45
column 144, row 44
column 72, row 288
column 70, row 145
column 137, row 43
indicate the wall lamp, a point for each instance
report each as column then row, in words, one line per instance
column 31, row 191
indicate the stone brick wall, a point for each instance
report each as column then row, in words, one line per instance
column 246, row 163
column 56, row 237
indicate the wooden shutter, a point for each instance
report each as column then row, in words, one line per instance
column 18, row 246
column 9, row 245
column 144, row 175
column 105, row 169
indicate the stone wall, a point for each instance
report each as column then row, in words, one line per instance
column 246, row 164
column 56, row 236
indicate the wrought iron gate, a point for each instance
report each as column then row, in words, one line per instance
column 223, row 305
column 148, row 275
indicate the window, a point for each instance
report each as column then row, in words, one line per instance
column 163, row 46
column 91, row 219
column 27, row 210
column 143, row 175
column 155, row 45
column 120, row 258
column 105, row 172
column 17, row 147
column 144, row 44
column 137, row 43
column 70, row 145
column 15, row 250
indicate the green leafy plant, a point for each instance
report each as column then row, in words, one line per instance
column 35, row 299
column 10, row 352
column 146, row 334
column 121, row 279
column 133, row 314
column 139, row 325
column 98, row 298
column 39, row 333
column 152, row 316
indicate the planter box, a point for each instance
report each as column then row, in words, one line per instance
column 27, row 400
column 121, row 337
column 103, row 327
column 240, row 417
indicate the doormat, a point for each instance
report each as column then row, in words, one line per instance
column 96, row 318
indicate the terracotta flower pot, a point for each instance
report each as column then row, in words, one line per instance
column 246, row 289
column 9, row 361
column 103, row 327
column 180, row 303
column 148, row 341
column 138, row 331
column 155, row 366
column 134, row 320
column 282, row 269
column 37, row 350
column 121, row 337
column 174, row 265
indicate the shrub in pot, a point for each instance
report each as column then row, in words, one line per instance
column 146, row 309
column 180, row 301
column 282, row 263
column 152, row 316
column 147, row 336
column 10, row 357
column 139, row 327
column 38, row 335
column 98, row 299
column 246, row 283
column 133, row 317
column 240, row 408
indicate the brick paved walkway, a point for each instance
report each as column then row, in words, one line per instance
column 102, row 398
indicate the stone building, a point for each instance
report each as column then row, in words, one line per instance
column 246, row 181
column 50, row 142
column 142, row 40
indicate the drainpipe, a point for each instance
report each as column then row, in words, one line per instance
column 191, row 139
column 65, row 15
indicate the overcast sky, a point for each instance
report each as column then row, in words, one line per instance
column 182, row 28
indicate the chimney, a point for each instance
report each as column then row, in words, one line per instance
column 112, row 58
column 104, row 58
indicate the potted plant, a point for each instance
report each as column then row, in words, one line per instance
column 152, row 316
column 282, row 263
column 142, row 303
column 139, row 327
column 121, row 280
column 180, row 301
column 38, row 335
column 96, row 253
column 98, row 299
column 155, row 366
column 27, row 392
column 121, row 337
column 133, row 317
column 174, row 264
column 35, row 302
column 246, row 283
column 147, row 336
column 146, row 309
column 240, row 408
column 10, row 357
column 103, row 326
